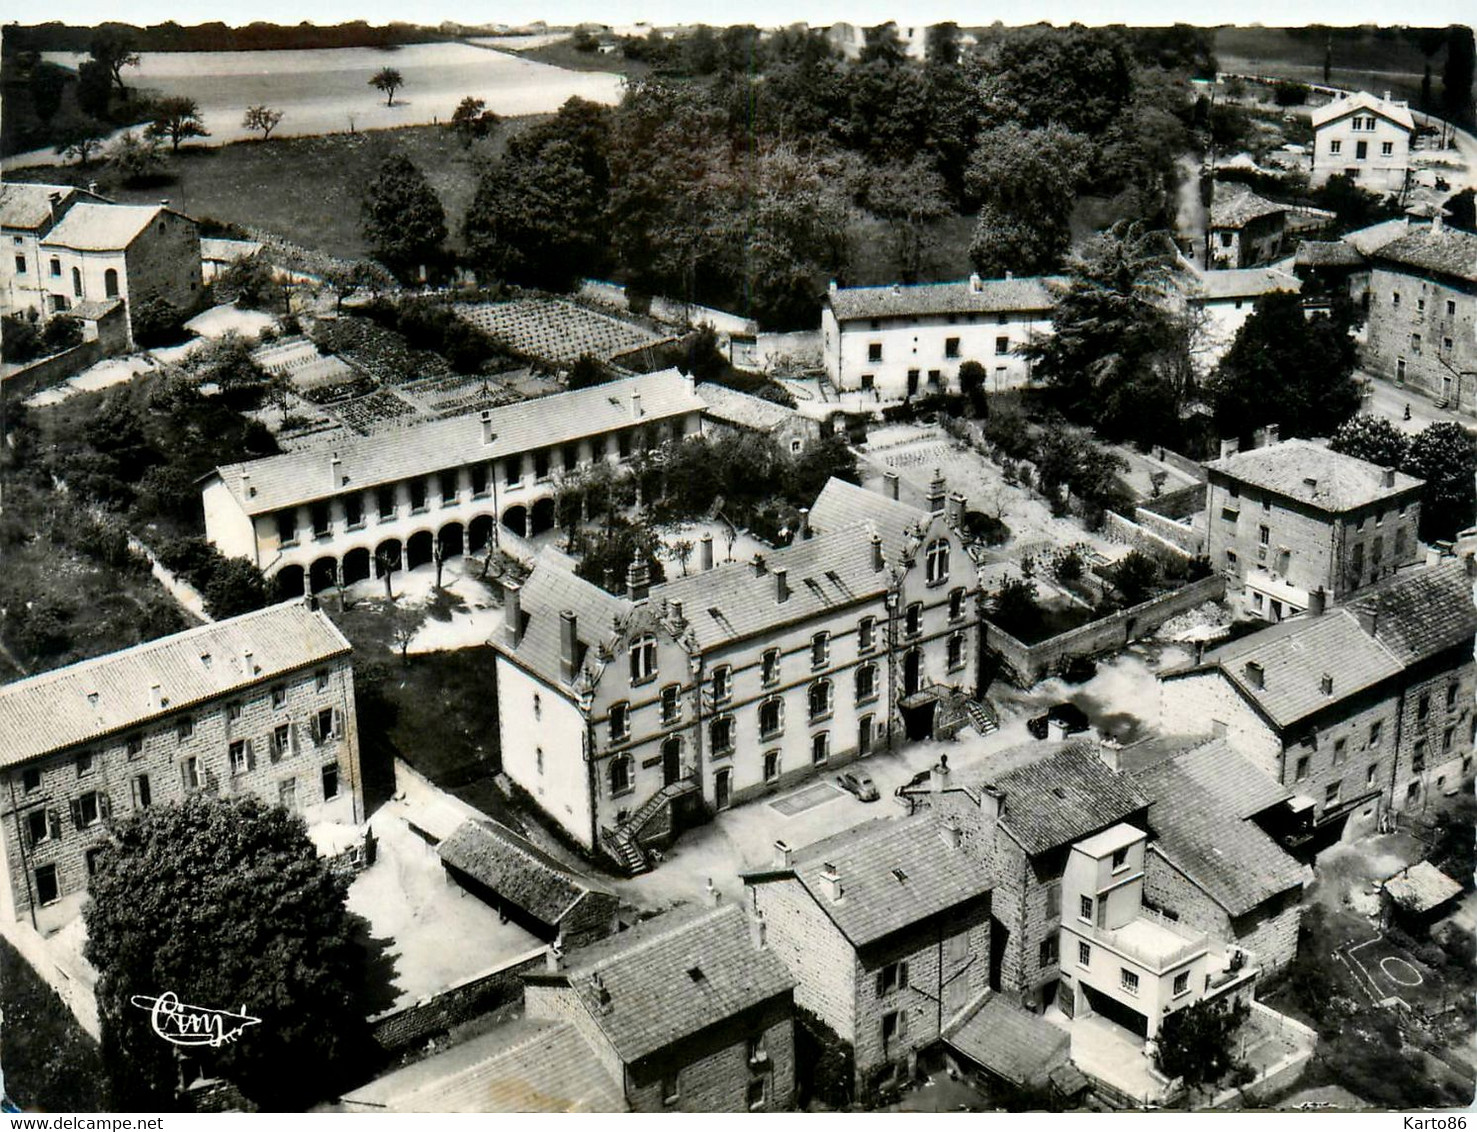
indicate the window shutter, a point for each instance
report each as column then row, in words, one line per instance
column 335, row 723
column 274, row 752
column 313, row 730
column 292, row 739
column 902, row 1023
column 104, row 805
column 250, row 755
column 881, row 989
column 902, row 975
column 77, row 812
column 54, row 823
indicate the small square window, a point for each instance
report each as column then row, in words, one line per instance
column 1120, row 859
column 85, row 764
column 31, row 779
column 330, row 782
column 1128, row 980
column 1084, row 909
column 1182, row 983
column 47, row 890
column 135, row 745
column 279, row 696
column 320, row 680
column 233, row 711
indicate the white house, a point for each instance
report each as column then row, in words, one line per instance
column 1365, row 137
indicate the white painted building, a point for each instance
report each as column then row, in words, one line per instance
column 1365, row 137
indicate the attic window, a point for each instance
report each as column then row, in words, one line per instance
column 901, row 876
column 205, row 659
column 1327, row 684
column 696, row 974
column 1059, row 792
column 92, row 699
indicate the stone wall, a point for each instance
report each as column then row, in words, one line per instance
column 1118, row 529
column 1175, row 531
column 436, row 1014
column 52, row 370
column 713, row 1071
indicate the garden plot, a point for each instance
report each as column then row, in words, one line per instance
column 458, row 394
column 557, row 331
column 375, row 411
column 299, row 361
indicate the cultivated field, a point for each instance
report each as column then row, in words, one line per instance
column 556, row 331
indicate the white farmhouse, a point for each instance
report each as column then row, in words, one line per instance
column 1365, row 137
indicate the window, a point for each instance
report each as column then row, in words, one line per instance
column 513, row 471
column 1128, row 980
column 281, row 741
column 951, row 347
column 1446, row 344
column 621, row 779
column 1446, row 738
column 478, row 474
column 1374, row 769
column 287, row 795
column 643, row 659
column 1048, row 954
column 771, row 717
column 957, row 652
column 41, row 826
column 1331, row 793
column 85, row 764
column 1418, row 757
column 670, row 1092
column 866, row 635
column 76, row 283
column 1302, row 768
column 720, row 735
column 92, row 858
column 1375, row 730
column 541, row 464
column 110, row 283
column 1361, row 150
column 1415, row 343
column 31, row 779
column 385, row 501
column 417, row 495
column 620, row 721
column 89, row 809
column 1451, row 691
column 1420, row 305
column 279, row 696
column 20, row 265
column 771, row 766
column 324, row 727
column 956, row 605
column 233, row 711
column 47, row 891
column 1120, row 859
column 1335, row 146
column 913, row 619
column 1084, row 954
column 894, row 1026
column 354, row 510
column 874, row 351
column 820, row 650
column 892, row 978
column 1084, row 908
column 1387, row 149
column 134, row 744
column 866, row 683
column 1423, row 706
column 819, row 699
column 1450, row 307
column 671, row 704
column 1054, row 899
column 1340, row 750
column 1182, row 983
column 769, row 667
column 1002, row 344
column 937, row 561
column 56, row 268
column 189, row 770
column 184, row 729
column 755, row 1094
column 237, row 752
column 820, row 747
column 330, row 782
column 722, row 683
column 1264, row 534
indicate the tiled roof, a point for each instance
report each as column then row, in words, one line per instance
column 743, row 409
column 1243, row 283
column 1011, row 1042
column 841, row 504
column 57, row 709
column 1063, row 797
column 1198, row 824
column 733, row 601
column 547, row 592
column 1418, row 613
column 1367, row 241
column 924, row 299
column 1449, row 251
column 1294, row 656
column 1358, row 103
column 1234, row 205
column 1328, row 253
column 91, row 227
column 386, row 457
column 894, row 874
column 1422, row 887
column 518, row 871
column 673, row 976
column 28, row 207
column 1309, row 473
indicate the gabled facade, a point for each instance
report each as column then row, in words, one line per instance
column 1367, row 138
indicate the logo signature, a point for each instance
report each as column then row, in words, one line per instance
column 181, row 1024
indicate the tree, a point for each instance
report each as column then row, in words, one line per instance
column 911, row 198
column 1463, row 209
column 94, row 90
column 403, row 221
column 262, row 118
column 588, row 370
column 48, row 82
column 1026, row 181
column 135, row 157
column 1445, row 456
column 257, row 923
column 1196, row 1044
column 387, row 80
column 472, row 120
column 252, row 282
column 1373, row 439
column 682, row 549
column 80, row 140
column 1134, row 576
column 236, row 587
column 972, row 378
column 177, row 118
column 1456, row 75
column 1288, row 369
column 114, row 52
column 1014, row 607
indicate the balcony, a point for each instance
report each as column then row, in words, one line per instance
column 1152, row 941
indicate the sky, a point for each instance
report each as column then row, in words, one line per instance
column 763, row 12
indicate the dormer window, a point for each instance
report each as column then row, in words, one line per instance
column 643, row 659
column 937, row 560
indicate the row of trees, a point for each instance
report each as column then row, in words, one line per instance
column 1443, row 454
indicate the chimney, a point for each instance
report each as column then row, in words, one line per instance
column 554, row 957
column 711, row 896
column 1009, row 275
column 937, row 493
column 156, row 697
column 951, row 833
column 678, row 621
column 955, row 510
column 781, row 585
column 890, row 484
column 1230, row 447
column 992, row 807
column 759, row 566
column 487, row 433
column 1256, row 674
column 1386, row 98
column 568, row 645
column 54, row 199
column 876, row 553
column 1387, row 478
column 833, row 288
column 638, row 579
column 1274, row 433
column 1110, row 752
column 246, row 485
column 92, row 187
column 1317, row 602
column 635, row 406
column 1436, row 223
column 941, row 775
column 1433, row 556
column 1311, row 483
column 1325, row 685
column 602, row 995
column 513, row 612
column 248, row 662
column 975, row 285
column 805, row 522
column 758, row 931
column 831, row 883
column 705, row 552
column 1369, row 619
column 1259, row 438
column 784, row 856
column 897, row 289
column 336, row 472
column 1218, row 728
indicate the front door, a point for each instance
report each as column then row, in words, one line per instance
column 721, row 789
column 912, row 672
column 671, row 761
column 912, row 383
column 864, row 735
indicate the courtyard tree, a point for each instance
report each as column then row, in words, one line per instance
column 1014, row 607
column 236, row 587
column 1444, row 454
column 1371, row 438
column 256, row 923
column 262, row 118
column 402, row 220
column 177, row 118
column 1197, row 1044
column 387, row 81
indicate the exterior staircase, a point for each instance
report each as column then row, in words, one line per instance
column 982, row 716
column 623, row 844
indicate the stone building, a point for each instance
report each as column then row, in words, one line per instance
column 1422, row 321
column 689, row 1012
column 729, row 411
column 1291, row 519
column 1245, row 230
column 885, row 928
column 1227, row 299
column 741, row 678
column 1020, row 827
column 1367, row 138
column 261, row 704
column 314, row 518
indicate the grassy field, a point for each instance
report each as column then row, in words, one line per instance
column 563, row 54
column 1367, row 59
column 51, row 1064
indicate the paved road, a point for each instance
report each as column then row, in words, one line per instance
column 1389, row 400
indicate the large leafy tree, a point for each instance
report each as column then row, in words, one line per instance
column 1445, row 456
column 1079, row 78
column 910, row 199
column 1371, row 438
column 402, row 219
column 178, row 119
column 1197, row 1044
column 1026, row 181
column 1289, row 369
column 225, row 903
column 387, row 80
column 113, row 50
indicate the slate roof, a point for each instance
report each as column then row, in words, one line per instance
column 89, row 227
column 841, row 504
column 548, row 591
column 1422, row 887
column 1419, row 613
column 1063, row 797
column 1328, row 253
column 1294, row 657
column 673, row 976
column 1234, row 205
column 28, row 207
column 743, row 409
column 1198, row 825
column 52, row 711
column 1447, row 251
column 1244, row 283
column 1032, row 294
column 517, row 870
column 293, row 478
column 894, row 874
column 1011, row 1042
column 1339, row 483
column 1358, row 103
column 1369, row 240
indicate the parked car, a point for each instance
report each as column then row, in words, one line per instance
column 858, row 782
column 1069, row 715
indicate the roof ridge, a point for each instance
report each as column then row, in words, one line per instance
column 689, row 923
